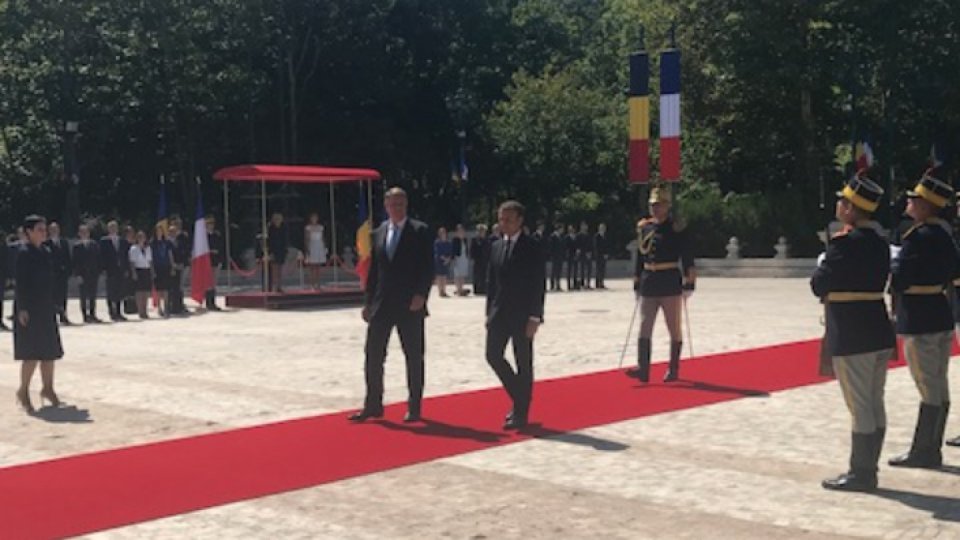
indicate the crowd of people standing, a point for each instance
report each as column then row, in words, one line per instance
column 583, row 254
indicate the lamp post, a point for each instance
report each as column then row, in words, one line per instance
column 71, row 214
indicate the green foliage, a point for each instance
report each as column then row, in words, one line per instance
column 773, row 94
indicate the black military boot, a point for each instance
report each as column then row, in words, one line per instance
column 642, row 371
column 674, row 372
column 863, row 466
column 925, row 451
column 878, row 437
column 941, row 427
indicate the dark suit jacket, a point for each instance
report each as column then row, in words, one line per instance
column 392, row 284
column 60, row 258
column 927, row 258
column 515, row 287
column 115, row 261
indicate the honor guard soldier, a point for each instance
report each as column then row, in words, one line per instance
column 663, row 276
column 920, row 273
column 859, row 339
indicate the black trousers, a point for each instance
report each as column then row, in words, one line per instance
column 114, row 293
column 176, row 292
column 88, row 296
column 410, row 328
column 480, row 276
column 519, row 383
column 586, row 270
column 573, row 278
column 556, row 270
column 60, row 295
column 601, row 270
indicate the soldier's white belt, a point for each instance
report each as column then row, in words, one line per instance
column 841, row 297
column 924, row 290
column 659, row 267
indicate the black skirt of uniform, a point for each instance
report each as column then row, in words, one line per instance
column 40, row 338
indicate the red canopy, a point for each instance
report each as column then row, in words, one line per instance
column 308, row 174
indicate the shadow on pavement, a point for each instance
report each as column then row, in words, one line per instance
column 942, row 508
column 65, row 414
column 580, row 439
column 434, row 428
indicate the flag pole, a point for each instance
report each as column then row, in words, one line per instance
column 333, row 234
column 226, row 230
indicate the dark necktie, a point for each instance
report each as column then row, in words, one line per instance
column 506, row 249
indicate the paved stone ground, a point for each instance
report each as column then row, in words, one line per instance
column 743, row 469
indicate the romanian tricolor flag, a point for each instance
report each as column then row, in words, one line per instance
column 638, row 101
column 670, row 115
column 364, row 244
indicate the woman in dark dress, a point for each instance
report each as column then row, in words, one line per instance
column 162, row 251
column 36, row 335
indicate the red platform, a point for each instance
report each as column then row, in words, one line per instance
column 331, row 296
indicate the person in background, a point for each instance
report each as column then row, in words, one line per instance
column 573, row 255
column 112, row 255
column 129, row 303
column 141, row 265
column 59, row 250
column 87, row 267
column 315, row 248
column 277, row 245
column 557, row 255
column 36, row 337
column 480, row 254
column 461, row 260
column 217, row 259
column 161, row 250
column 585, row 255
column 601, row 253
column 442, row 255
column 180, row 260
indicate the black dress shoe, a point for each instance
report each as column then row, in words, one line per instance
column 851, row 482
column 638, row 373
column 515, row 422
column 917, row 460
column 509, row 416
column 412, row 416
column 361, row 416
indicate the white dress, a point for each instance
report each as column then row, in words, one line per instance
column 461, row 264
column 316, row 249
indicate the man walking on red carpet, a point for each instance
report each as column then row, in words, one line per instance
column 398, row 284
column 859, row 337
column 515, row 294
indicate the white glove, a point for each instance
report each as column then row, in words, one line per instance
column 687, row 294
column 820, row 258
column 894, row 252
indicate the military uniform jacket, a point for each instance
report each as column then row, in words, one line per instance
column 570, row 243
column 857, row 262
column 928, row 259
column 556, row 246
column 658, row 244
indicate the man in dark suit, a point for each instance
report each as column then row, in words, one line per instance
column 585, row 255
column 573, row 268
column 514, row 308
column 398, row 284
column 601, row 252
column 114, row 255
column 62, row 269
column 557, row 255
column 87, row 267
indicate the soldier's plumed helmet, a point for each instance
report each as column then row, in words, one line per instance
column 863, row 192
column 932, row 189
column 660, row 194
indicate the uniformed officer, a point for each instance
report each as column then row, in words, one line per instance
column 663, row 276
column 920, row 273
column 860, row 339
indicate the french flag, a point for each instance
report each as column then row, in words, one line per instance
column 670, row 115
column 201, row 268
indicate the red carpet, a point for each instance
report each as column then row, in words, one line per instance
column 91, row 492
